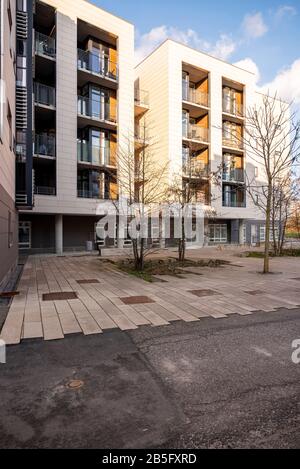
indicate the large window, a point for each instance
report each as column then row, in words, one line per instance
column 24, row 234
column 218, row 233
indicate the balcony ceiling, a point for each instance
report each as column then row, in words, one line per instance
column 86, row 30
column 196, row 74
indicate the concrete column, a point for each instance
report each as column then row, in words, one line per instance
column 59, row 234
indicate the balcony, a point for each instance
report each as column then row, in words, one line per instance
column 141, row 102
column 100, row 69
column 141, row 138
column 92, row 194
column 44, row 190
column 233, row 108
column 191, row 95
column 233, row 175
column 44, row 95
column 196, row 133
column 45, row 46
column 233, row 143
column 92, row 112
column 195, row 169
column 44, row 146
column 234, row 203
column 95, row 155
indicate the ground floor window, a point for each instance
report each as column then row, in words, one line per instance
column 218, row 233
column 24, row 234
column 262, row 234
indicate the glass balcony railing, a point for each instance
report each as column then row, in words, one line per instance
column 195, row 132
column 141, row 98
column 45, row 45
column 233, row 108
column 44, row 145
column 195, row 169
column 194, row 96
column 233, row 202
column 233, row 175
column 96, row 110
column 232, row 142
column 96, row 64
column 44, row 95
column 92, row 194
column 94, row 155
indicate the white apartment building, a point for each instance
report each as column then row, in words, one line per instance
column 8, row 213
column 79, row 108
column 197, row 105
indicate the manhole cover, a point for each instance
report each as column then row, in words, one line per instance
column 86, row 282
column 59, row 296
column 75, row 384
column 136, row 300
column 201, row 293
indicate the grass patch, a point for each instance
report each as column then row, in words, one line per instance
column 285, row 253
column 169, row 266
column 293, row 234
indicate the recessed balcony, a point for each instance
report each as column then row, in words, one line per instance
column 45, row 46
column 92, row 155
column 234, row 175
column 195, row 134
column 44, row 146
column 233, row 197
column 96, row 69
column 44, row 96
column 195, row 169
column 233, row 144
column 93, row 112
column 141, row 102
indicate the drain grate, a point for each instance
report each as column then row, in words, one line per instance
column 201, row 293
column 86, row 282
column 60, row 296
column 136, row 300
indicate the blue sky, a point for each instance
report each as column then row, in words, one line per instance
column 265, row 33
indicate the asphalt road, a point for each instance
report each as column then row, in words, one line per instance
column 219, row 383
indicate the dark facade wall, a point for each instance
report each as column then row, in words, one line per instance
column 8, row 254
column 78, row 230
column 42, row 232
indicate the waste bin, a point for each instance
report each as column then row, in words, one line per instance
column 89, row 246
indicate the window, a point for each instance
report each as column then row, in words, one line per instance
column 262, row 234
column 256, row 171
column 9, row 120
column 22, row 5
column 10, row 232
column 218, row 233
column 24, row 234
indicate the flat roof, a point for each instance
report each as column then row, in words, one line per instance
column 196, row 50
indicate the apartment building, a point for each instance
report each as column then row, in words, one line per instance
column 75, row 105
column 8, row 213
column 197, row 109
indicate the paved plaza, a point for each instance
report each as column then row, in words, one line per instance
column 59, row 296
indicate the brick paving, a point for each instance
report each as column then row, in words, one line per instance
column 107, row 298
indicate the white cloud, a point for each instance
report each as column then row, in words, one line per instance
column 253, row 26
column 286, row 84
column 146, row 43
column 250, row 65
column 285, row 10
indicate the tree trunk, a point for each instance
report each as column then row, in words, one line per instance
column 268, row 226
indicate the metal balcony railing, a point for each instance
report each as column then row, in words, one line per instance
column 44, row 95
column 194, row 96
column 44, row 145
column 96, row 110
column 45, row 190
column 45, row 45
column 233, row 175
column 195, row 132
column 98, row 65
column 95, row 155
column 141, row 97
column 233, row 108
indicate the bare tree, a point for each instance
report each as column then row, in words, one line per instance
column 191, row 186
column 142, row 182
column 271, row 140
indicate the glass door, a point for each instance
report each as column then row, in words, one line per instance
column 25, row 235
column 185, row 123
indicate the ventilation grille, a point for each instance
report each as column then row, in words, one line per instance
column 22, row 25
column 21, row 108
